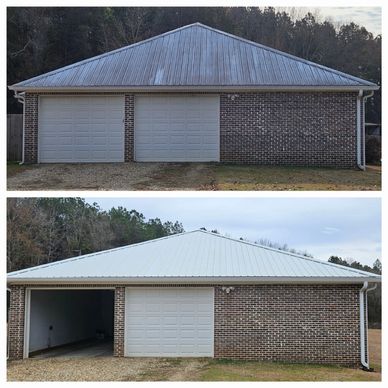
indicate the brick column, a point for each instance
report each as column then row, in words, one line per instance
column 119, row 315
column 16, row 323
column 129, row 128
column 31, row 128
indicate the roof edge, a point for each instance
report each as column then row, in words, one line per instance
column 196, row 280
column 167, row 88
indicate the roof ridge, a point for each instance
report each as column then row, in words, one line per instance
column 350, row 269
column 88, row 255
column 294, row 57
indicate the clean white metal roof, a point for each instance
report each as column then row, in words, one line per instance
column 195, row 257
column 194, row 56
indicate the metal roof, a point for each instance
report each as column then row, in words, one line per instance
column 195, row 257
column 194, row 56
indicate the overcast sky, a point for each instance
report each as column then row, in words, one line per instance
column 369, row 17
column 346, row 227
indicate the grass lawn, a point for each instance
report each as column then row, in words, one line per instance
column 232, row 177
column 188, row 369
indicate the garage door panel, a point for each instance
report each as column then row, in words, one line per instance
column 85, row 129
column 169, row 322
column 169, row 123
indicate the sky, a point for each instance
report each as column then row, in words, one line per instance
column 345, row 227
column 369, row 17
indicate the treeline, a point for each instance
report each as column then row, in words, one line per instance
column 374, row 297
column 44, row 230
column 40, row 39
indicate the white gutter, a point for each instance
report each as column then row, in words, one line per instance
column 363, row 133
column 194, row 280
column 360, row 163
column 364, row 324
column 21, row 98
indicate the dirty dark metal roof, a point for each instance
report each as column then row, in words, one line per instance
column 194, row 56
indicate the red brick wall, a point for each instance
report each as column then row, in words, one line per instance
column 293, row 323
column 303, row 129
column 16, row 323
column 129, row 125
column 119, row 318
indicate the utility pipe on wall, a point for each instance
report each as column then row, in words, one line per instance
column 360, row 164
column 364, row 324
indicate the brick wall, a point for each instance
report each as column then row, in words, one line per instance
column 293, row 323
column 118, row 325
column 303, row 323
column 129, row 127
column 309, row 129
column 306, row 129
column 16, row 323
column 31, row 128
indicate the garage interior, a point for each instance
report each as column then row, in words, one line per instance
column 71, row 323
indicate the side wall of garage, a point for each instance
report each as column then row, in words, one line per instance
column 292, row 323
column 272, row 128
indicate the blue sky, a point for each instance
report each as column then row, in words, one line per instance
column 346, row 227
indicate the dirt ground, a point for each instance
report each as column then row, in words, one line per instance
column 186, row 176
column 187, row 369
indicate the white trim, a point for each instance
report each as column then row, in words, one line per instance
column 27, row 308
column 196, row 280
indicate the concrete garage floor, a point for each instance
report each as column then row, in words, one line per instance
column 94, row 348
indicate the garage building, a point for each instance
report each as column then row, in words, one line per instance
column 195, row 294
column 195, row 94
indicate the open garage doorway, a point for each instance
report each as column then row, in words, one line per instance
column 69, row 323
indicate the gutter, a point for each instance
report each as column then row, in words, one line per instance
column 188, row 88
column 361, row 163
column 21, row 98
column 193, row 280
column 364, row 325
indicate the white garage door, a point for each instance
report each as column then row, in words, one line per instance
column 177, row 128
column 173, row 322
column 81, row 129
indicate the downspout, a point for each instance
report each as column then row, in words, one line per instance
column 364, row 325
column 360, row 164
column 363, row 150
column 21, row 98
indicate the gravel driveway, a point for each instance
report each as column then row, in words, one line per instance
column 105, row 369
column 110, row 176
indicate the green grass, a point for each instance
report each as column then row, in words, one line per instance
column 226, row 370
column 234, row 177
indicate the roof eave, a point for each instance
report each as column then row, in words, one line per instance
column 195, row 280
column 223, row 88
